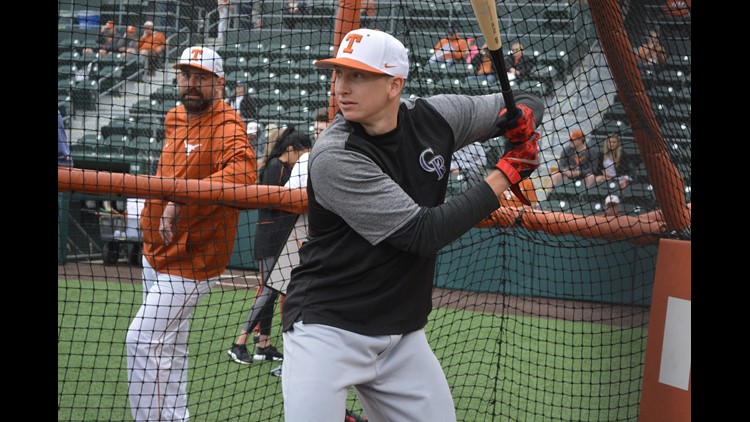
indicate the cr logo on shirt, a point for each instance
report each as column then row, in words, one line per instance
column 432, row 163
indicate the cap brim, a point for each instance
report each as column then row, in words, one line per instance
column 179, row 65
column 348, row 63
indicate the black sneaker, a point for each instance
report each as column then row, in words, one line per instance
column 267, row 353
column 276, row 372
column 239, row 354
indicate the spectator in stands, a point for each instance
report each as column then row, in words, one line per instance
column 577, row 161
column 651, row 54
column 471, row 162
column 615, row 163
column 271, row 232
column 267, row 142
column 321, row 122
column 251, row 14
column 471, row 42
column 485, row 69
column 222, row 9
column 128, row 43
column 367, row 12
column 450, row 48
column 612, row 205
column 64, row 160
column 517, row 64
column 106, row 41
column 293, row 9
column 153, row 47
column 236, row 99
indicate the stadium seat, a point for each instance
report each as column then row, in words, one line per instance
column 66, row 72
column 272, row 111
column 268, row 95
column 448, row 85
column 118, row 126
column 294, row 95
column 533, row 86
column 557, row 205
column 164, row 93
column 289, row 80
column 235, row 64
column 315, row 81
column 639, row 194
column 84, row 95
column 71, row 57
column 318, row 99
column 300, row 112
column 567, row 190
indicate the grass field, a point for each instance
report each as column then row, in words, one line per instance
column 500, row 367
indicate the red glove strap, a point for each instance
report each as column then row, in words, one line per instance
column 508, row 170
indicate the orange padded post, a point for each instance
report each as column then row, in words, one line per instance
column 666, row 392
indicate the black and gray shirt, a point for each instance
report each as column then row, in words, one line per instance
column 377, row 216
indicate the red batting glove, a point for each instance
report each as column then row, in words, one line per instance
column 519, row 162
column 518, row 128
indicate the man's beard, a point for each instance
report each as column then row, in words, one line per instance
column 193, row 105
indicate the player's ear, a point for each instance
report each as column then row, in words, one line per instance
column 397, row 85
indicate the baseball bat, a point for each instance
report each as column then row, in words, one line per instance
column 486, row 13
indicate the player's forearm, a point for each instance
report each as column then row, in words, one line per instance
column 434, row 228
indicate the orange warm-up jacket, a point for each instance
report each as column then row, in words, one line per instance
column 218, row 151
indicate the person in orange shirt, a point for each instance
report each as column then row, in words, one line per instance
column 153, row 47
column 186, row 247
column 451, row 48
column 106, row 41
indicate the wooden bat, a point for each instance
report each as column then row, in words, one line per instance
column 486, row 13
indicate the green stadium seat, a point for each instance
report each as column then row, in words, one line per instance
column 448, row 85
column 421, row 86
column 641, row 194
column 567, row 190
column 556, row 205
column 84, row 95
column 318, row 99
column 294, row 95
column 533, row 86
column 300, row 112
column 235, row 64
column 164, row 93
column 269, row 96
column 71, row 57
column 272, row 111
column 428, row 9
column 118, row 126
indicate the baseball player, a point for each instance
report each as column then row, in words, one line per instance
column 185, row 247
column 358, row 302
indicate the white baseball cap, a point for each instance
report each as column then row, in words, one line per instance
column 202, row 58
column 372, row 51
column 612, row 199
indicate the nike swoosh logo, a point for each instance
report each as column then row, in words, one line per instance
column 387, row 66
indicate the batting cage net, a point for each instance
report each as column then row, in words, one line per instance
column 540, row 313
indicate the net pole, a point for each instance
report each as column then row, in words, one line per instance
column 669, row 185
